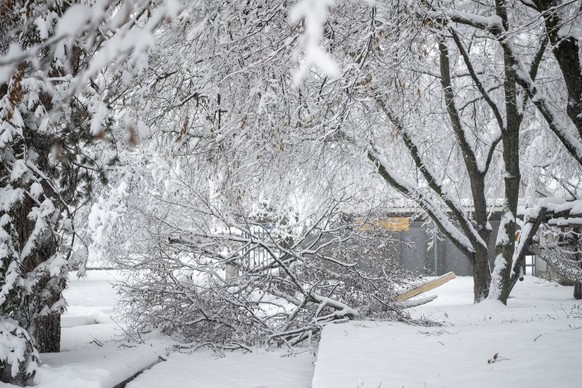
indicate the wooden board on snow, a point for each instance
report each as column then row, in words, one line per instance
column 424, row 287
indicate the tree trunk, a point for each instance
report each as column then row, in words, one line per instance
column 528, row 232
column 48, row 333
column 578, row 284
column 481, row 276
column 45, row 330
column 510, row 140
column 502, row 271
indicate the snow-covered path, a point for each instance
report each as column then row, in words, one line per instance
column 234, row 370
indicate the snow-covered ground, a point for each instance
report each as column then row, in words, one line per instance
column 92, row 351
column 535, row 341
column 259, row 369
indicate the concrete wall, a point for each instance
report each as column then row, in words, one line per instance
column 419, row 256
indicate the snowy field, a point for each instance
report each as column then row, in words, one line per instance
column 535, row 341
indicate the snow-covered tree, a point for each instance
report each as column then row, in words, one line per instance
column 455, row 82
column 54, row 59
column 425, row 101
column 236, row 228
column 435, row 95
column 557, row 105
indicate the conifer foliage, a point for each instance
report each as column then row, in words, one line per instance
column 54, row 57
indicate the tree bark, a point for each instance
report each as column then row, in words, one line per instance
column 578, row 284
column 529, row 230
column 505, row 245
column 45, row 330
column 48, row 333
column 481, row 276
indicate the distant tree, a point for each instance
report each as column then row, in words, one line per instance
column 560, row 107
column 458, row 103
column 442, row 117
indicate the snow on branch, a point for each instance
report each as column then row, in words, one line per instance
column 493, row 24
column 314, row 15
column 524, row 77
column 434, row 183
column 553, row 212
column 560, row 261
column 433, row 210
column 275, row 282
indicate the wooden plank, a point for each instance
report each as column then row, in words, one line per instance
column 425, row 287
